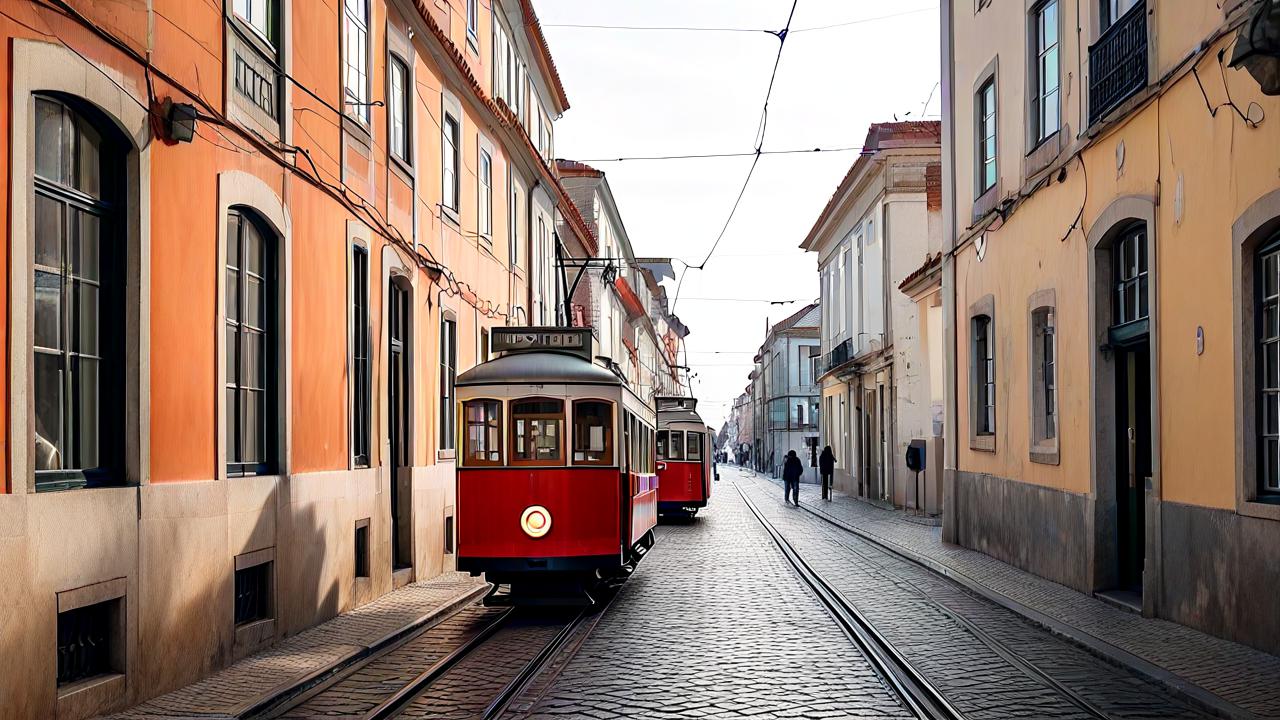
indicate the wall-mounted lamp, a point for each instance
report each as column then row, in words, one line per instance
column 1257, row 47
column 179, row 121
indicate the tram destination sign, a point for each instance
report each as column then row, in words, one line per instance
column 515, row 339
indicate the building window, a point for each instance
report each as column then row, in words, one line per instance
column 1113, row 10
column 449, row 160
column 360, row 385
column 1267, row 321
column 484, row 182
column 398, row 108
column 592, row 432
column 537, row 430
column 90, row 641
column 473, row 21
column 986, row 151
column 362, row 548
column 256, row 69
column 483, row 433
column 1044, row 378
column 253, row 593
column 448, row 375
column 984, row 376
column 250, row 357
column 78, row 280
column 1045, row 73
column 513, row 219
column 355, row 37
column 1131, row 275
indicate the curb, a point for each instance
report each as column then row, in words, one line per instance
column 1180, row 688
column 264, row 704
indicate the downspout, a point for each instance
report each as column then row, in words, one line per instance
column 951, row 453
column 528, row 255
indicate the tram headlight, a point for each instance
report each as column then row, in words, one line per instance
column 535, row 521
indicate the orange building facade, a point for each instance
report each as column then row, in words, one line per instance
column 231, row 348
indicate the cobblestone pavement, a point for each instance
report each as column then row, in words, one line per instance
column 715, row 624
column 990, row 662
column 232, row 691
column 1241, row 676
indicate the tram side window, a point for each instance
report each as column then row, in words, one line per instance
column 484, row 432
column 592, row 432
column 675, row 450
column 694, row 446
column 648, row 447
column 537, row 432
column 662, row 444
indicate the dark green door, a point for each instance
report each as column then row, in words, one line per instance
column 1133, row 455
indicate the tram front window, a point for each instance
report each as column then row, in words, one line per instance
column 694, row 445
column 662, row 444
column 537, row 432
column 484, row 432
column 592, row 433
column 675, row 450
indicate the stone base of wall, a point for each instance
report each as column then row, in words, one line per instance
column 1037, row 529
column 1221, row 573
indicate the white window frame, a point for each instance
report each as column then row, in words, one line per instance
column 484, row 192
column 355, row 97
column 1046, row 52
column 450, row 139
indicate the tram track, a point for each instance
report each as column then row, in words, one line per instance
column 911, row 685
column 490, row 666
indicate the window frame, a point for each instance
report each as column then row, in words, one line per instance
column 448, row 382
column 672, row 445
column 983, row 374
column 981, row 116
column 357, row 107
column 513, row 218
column 73, row 203
column 467, row 458
column 473, row 24
column 484, row 194
column 1268, row 249
column 450, row 160
column 1040, row 48
column 608, row 459
column 404, row 111
column 269, row 333
column 1044, row 406
column 689, row 448
column 513, row 458
column 361, row 360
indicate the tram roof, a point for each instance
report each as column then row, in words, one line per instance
column 668, row 417
column 538, row 368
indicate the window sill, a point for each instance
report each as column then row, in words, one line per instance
column 1042, row 155
column 982, row 443
column 403, row 167
column 446, row 455
column 357, row 127
column 253, row 636
column 92, row 696
column 450, row 216
column 986, row 202
column 473, row 43
column 1264, row 509
column 1045, row 454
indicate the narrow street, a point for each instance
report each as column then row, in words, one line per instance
column 716, row 623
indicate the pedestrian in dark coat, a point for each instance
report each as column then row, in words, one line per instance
column 791, row 472
column 826, row 466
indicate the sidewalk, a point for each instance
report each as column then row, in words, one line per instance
column 259, row 681
column 1233, row 679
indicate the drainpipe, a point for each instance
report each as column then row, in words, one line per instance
column 950, row 435
column 528, row 255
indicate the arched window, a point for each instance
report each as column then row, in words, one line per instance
column 251, row 341
column 1267, row 331
column 79, row 296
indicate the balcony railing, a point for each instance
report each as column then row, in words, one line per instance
column 1118, row 62
column 838, row 356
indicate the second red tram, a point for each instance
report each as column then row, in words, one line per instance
column 685, row 457
column 556, row 482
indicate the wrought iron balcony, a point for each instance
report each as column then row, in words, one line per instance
column 838, row 356
column 1118, row 62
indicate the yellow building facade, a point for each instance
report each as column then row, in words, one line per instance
column 1113, row 190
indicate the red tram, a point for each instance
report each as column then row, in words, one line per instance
column 685, row 457
column 555, row 484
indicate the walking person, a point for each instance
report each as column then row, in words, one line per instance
column 791, row 472
column 826, row 466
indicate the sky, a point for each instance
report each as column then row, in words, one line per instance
column 673, row 92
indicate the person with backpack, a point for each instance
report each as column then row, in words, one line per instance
column 826, row 466
column 791, row 472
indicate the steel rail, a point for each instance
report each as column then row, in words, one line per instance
column 996, row 646
column 920, row 695
column 512, row 690
column 396, row 702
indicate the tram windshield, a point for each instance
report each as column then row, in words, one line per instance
column 592, row 432
column 537, row 431
column 675, row 449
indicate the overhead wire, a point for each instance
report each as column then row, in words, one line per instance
column 702, row 156
column 720, row 29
